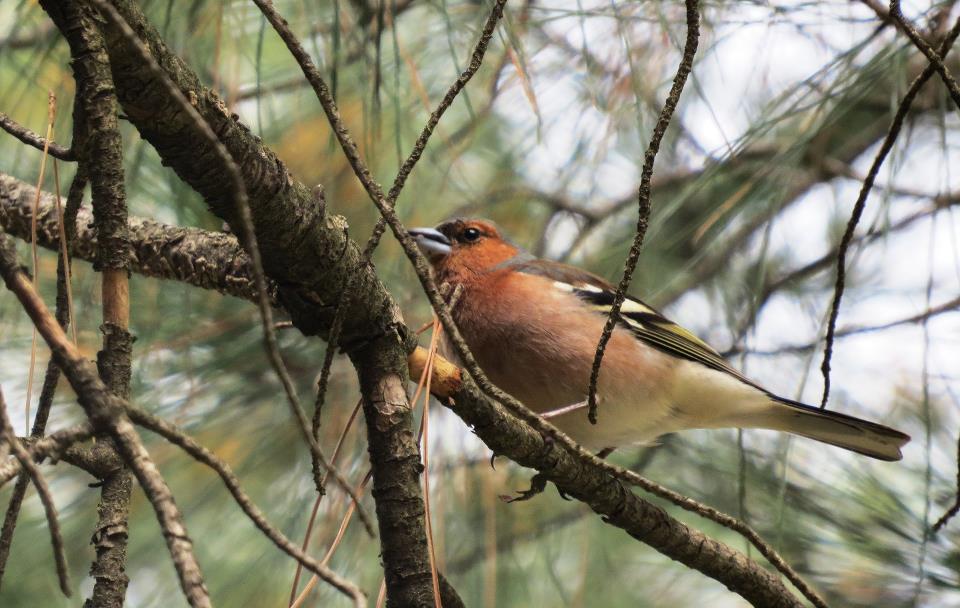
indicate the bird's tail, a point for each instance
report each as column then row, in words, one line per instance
column 841, row 430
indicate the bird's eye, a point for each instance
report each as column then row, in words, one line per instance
column 471, row 234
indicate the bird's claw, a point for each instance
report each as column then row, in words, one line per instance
column 537, row 485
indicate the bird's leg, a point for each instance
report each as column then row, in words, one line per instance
column 602, row 454
column 539, row 481
column 537, row 485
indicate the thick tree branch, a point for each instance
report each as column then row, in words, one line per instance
column 382, row 371
column 210, row 260
column 305, row 250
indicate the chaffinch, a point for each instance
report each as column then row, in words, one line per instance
column 533, row 326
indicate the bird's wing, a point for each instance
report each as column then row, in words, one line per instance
column 646, row 323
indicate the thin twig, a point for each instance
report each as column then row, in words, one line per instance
column 946, row 307
column 643, row 196
column 35, row 248
column 955, row 508
column 33, row 471
column 179, row 438
column 35, row 140
column 250, row 243
column 106, row 410
column 861, row 203
column 425, row 452
column 316, row 503
column 347, row 517
column 476, row 60
column 63, row 314
column 53, row 446
column 932, row 56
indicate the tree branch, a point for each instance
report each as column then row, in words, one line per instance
column 105, row 410
column 100, row 152
column 179, row 438
column 33, row 472
column 861, row 203
column 643, row 196
column 53, row 446
column 34, row 139
column 52, row 376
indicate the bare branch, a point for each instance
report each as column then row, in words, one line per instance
column 96, row 135
column 177, row 437
column 843, row 332
column 861, row 204
column 386, row 395
column 33, row 471
column 643, row 202
column 53, row 446
column 106, row 410
column 35, row 140
column 934, row 57
column 239, row 195
column 209, row 260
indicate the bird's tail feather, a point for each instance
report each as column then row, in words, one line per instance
column 841, row 430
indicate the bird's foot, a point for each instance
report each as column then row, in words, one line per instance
column 537, row 485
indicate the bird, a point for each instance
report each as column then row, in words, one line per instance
column 533, row 326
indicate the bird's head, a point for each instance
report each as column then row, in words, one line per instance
column 462, row 247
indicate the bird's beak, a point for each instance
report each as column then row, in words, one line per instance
column 433, row 243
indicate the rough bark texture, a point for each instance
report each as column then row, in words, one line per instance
column 396, row 466
column 211, row 260
column 52, row 446
column 110, row 535
column 100, row 152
